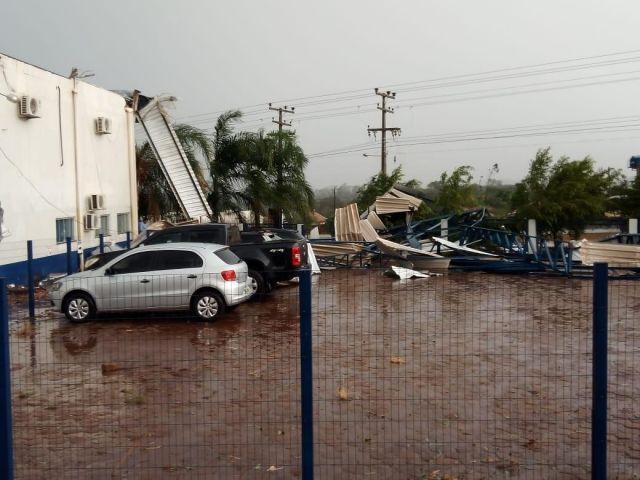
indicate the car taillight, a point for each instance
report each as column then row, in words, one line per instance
column 228, row 275
column 296, row 257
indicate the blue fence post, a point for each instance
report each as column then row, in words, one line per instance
column 306, row 375
column 128, row 240
column 102, row 243
column 599, row 408
column 69, row 267
column 6, row 442
column 31, row 286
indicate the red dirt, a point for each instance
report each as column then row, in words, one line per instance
column 466, row 376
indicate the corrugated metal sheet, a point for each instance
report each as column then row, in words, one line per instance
column 420, row 259
column 368, row 232
column 347, row 224
column 324, row 250
column 395, row 201
column 460, row 248
column 388, row 204
column 393, row 247
column 173, row 161
column 415, row 202
column 375, row 221
column 616, row 255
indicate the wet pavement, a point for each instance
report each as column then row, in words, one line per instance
column 460, row 376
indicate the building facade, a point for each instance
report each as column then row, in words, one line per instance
column 67, row 168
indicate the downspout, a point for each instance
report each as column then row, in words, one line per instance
column 74, row 94
column 133, row 181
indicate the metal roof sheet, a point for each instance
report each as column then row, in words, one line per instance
column 347, row 224
column 173, row 160
column 375, row 221
column 395, row 201
column 616, row 255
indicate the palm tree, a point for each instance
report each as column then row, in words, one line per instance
column 257, row 174
column 154, row 194
column 272, row 176
column 292, row 193
column 225, row 164
column 196, row 144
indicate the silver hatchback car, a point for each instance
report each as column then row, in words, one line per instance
column 203, row 277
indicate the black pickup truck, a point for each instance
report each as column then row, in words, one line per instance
column 272, row 255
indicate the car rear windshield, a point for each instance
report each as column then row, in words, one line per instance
column 227, row 256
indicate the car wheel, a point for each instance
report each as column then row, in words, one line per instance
column 207, row 305
column 78, row 307
column 258, row 285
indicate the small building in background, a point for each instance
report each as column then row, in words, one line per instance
column 67, row 167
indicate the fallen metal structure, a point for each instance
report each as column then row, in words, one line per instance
column 154, row 119
column 463, row 243
column 358, row 243
column 615, row 254
column 435, row 244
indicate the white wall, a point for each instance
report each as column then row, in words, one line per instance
column 38, row 166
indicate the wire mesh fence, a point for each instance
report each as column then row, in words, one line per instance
column 456, row 376
column 156, row 394
column 623, row 419
column 459, row 376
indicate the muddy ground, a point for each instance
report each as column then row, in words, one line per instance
column 466, row 376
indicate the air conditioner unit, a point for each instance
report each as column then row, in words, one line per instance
column 103, row 125
column 29, row 107
column 91, row 221
column 95, row 202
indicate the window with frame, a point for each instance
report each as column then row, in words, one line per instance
column 158, row 260
column 177, row 260
column 136, row 263
column 227, row 256
column 123, row 223
column 104, row 226
column 64, row 229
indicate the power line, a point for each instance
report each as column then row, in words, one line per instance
column 384, row 129
column 281, row 123
column 535, row 84
column 556, row 129
column 496, row 147
column 358, row 111
column 532, row 127
column 350, row 94
column 533, row 73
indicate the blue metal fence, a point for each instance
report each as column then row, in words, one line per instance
column 600, row 343
column 6, row 440
column 351, row 374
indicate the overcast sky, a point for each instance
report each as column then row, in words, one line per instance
column 326, row 57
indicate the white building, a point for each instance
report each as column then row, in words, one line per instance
column 67, row 167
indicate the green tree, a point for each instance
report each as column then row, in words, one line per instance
column 270, row 175
column 256, row 168
column 455, row 192
column 225, row 163
column 626, row 197
column 563, row 196
column 326, row 200
column 377, row 185
column 292, row 193
column 154, row 194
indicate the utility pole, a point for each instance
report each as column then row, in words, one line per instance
column 394, row 130
column 279, row 166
